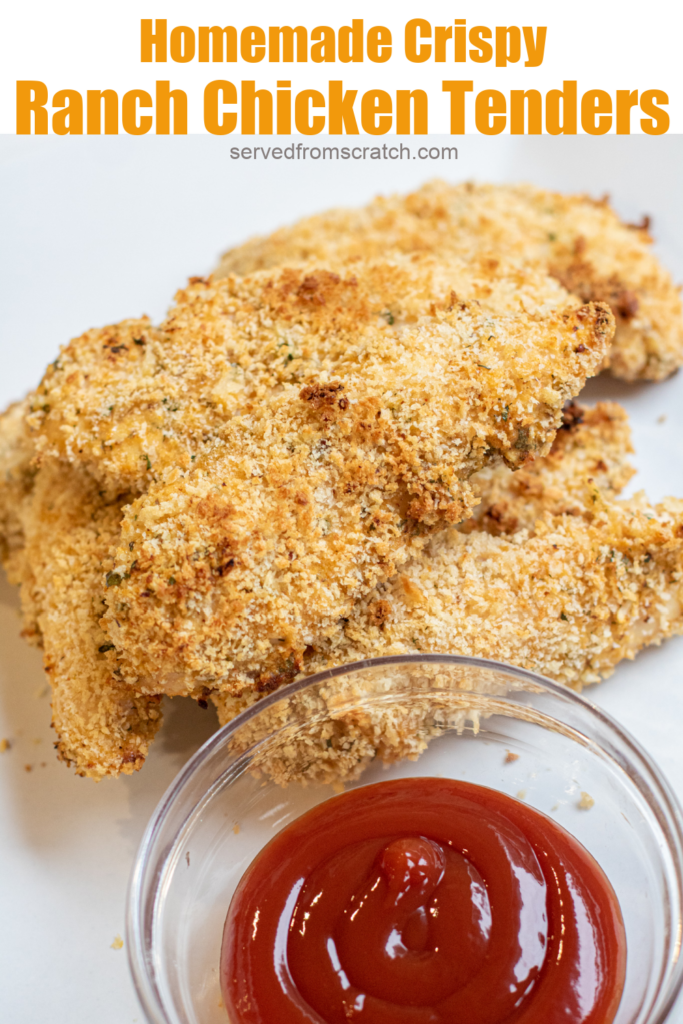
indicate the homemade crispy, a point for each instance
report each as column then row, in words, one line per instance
column 579, row 240
column 293, row 434
column 553, row 574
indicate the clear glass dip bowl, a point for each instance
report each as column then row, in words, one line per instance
column 486, row 723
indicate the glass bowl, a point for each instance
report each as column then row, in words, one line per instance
column 448, row 716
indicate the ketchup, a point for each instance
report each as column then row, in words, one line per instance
column 423, row 901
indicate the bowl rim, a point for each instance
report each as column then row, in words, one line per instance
column 138, row 960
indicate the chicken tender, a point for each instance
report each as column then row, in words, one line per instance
column 102, row 726
column 565, row 581
column 133, row 403
column 581, row 241
column 347, row 412
column 16, row 481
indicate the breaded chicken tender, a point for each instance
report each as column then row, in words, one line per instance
column 553, row 575
column 291, row 434
column 16, row 481
column 580, row 241
column 55, row 532
column 102, row 726
column 133, row 403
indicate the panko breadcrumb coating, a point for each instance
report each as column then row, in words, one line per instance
column 269, row 429
column 16, row 480
column 133, row 403
column 102, row 726
column 334, row 462
column 579, row 240
column 327, row 735
column 568, row 598
column 553, row 575
column 592, row 444
column 293, row 433
column 266, row 484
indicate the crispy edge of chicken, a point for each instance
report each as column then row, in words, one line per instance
column 581, row 241
column 553, row 575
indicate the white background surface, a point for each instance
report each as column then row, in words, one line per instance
column 95, row 230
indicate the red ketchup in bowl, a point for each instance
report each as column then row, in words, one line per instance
column 423, row 901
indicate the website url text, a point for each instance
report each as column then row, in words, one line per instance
column 297, row 151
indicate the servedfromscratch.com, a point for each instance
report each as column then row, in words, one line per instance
column 297, row 151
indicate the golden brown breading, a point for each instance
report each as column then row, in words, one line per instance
column 346, row 413
column 68, row 540
column 323, row 735
column 102, row 726
column 581, row 241
column 591, row 446
column 568, row 596
column 133, row 407
column 16, row 480
column 132, row 403
column 566, row 582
